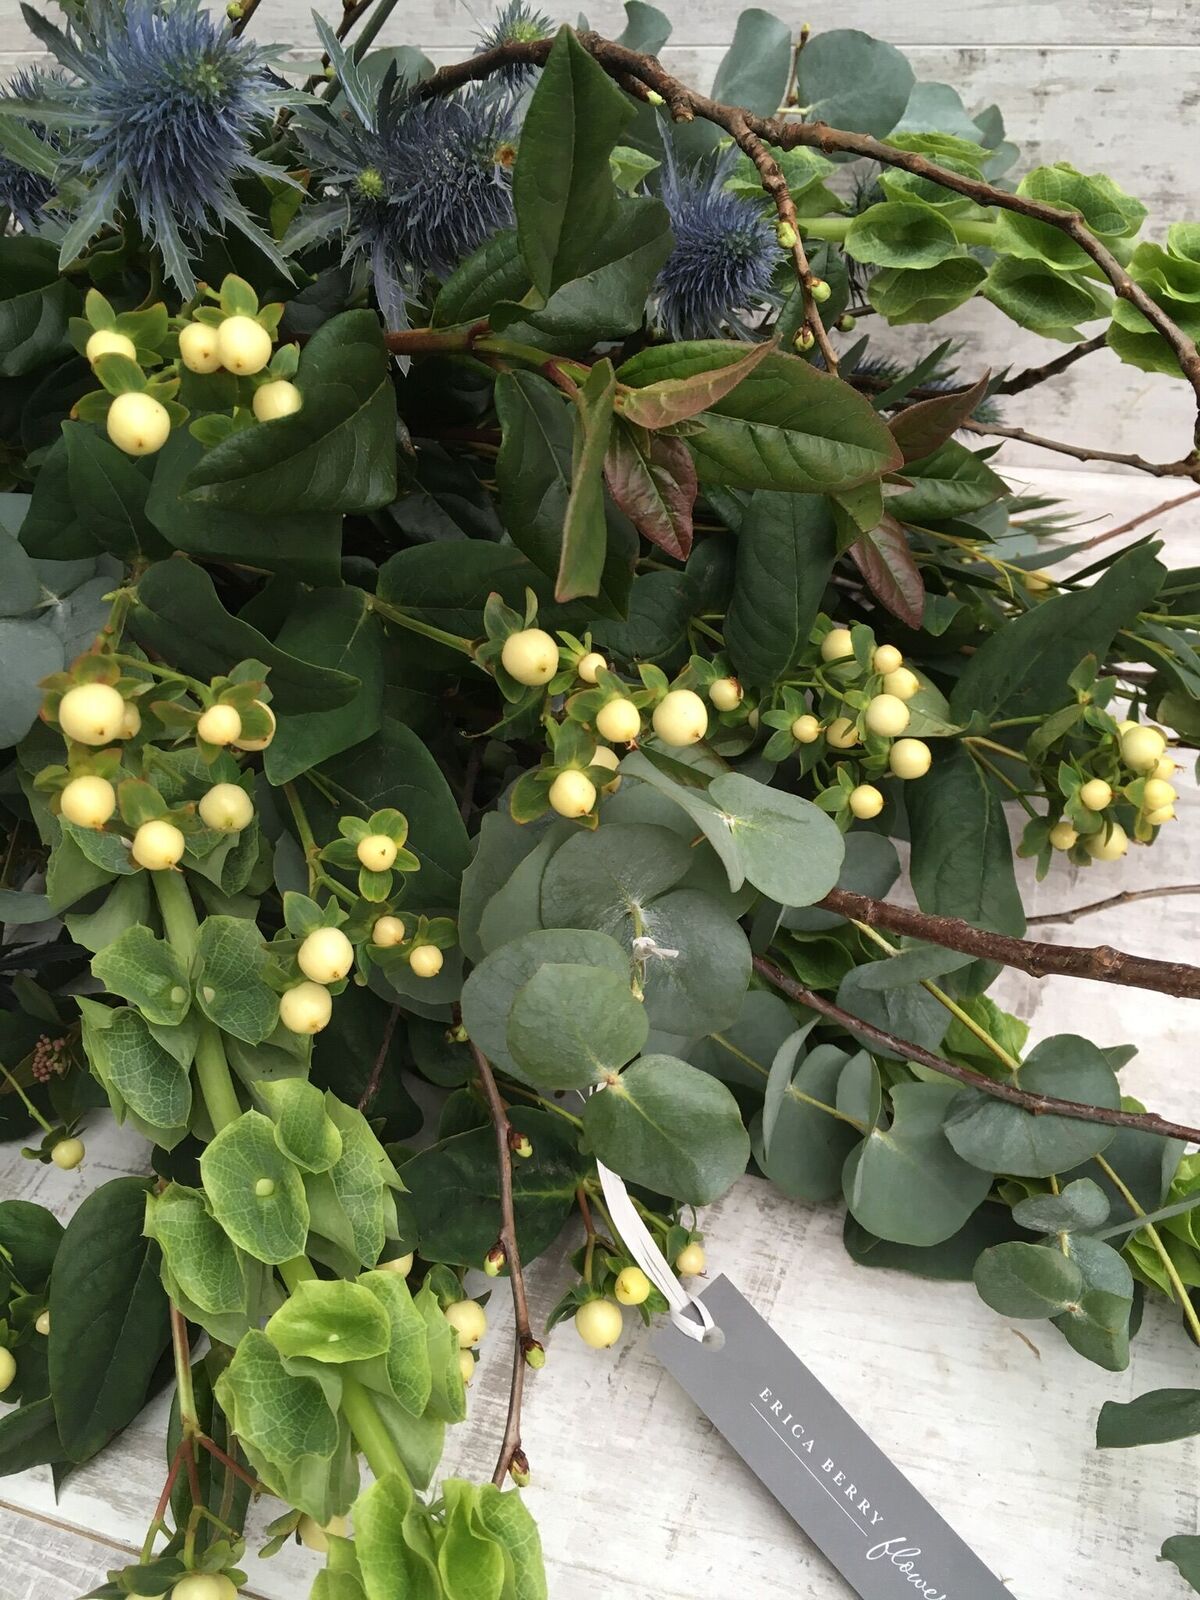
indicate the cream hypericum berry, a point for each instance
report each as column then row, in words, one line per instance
column 1095, row 794
column 1107, row 845
column 325, row 956
column 466, row 1365
column 1156, row 794
column 107, row 342
column 227, row 808
column 599, row 1323
column 619, row 721
column 276, row 399
column 887, row 715
column 1165, row 769
column 910, row 758
column 903, row 683
column 680, row 719
column 1161, row 814
column 865, row 801
column 376, row 852
column 531, row 657
column 401, row 1265
column 469, row 1321
column 841, row 733
column 837, row 645
column 198, row 347
column 426, row 960
column 42, row 1324
column 572, row 794
column 243, row 345
column 91, row 713
column 725, row 694
column 131, row 721
column 806, row 729
column 68, row 1153
column 220, row 724
column 204, row 1586
column 315, row 1535
column 691, row 1260
column 306, row 1008
column 258, row 744
column 8, row 1368
column 138, row 424
column 1142, row 748
column 632, row 1286
column 88, row 802
column 387, row 932
column 590, row 666
column 604, row 757
column 887, row 659
column 157, row 845
column 1038, row 582
column 1063, row 836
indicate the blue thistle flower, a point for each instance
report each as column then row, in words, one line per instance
column 724, row 256
column 163, row 117
column 24, row 193
column 516, row 20
column 424, row 182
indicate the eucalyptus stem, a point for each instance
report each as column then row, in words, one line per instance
column 1160, row 1249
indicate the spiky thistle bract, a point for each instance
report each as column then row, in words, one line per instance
column 516, row 22
column 163, row 116
column 725, row 251
column 26, row 186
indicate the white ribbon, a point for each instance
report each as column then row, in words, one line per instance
column 639, row 1242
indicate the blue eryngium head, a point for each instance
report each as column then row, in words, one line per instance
column 172, row 101
column 724, row 256
column 24, row 193
column 516, row 22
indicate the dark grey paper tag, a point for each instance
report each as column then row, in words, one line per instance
column 855, row 1506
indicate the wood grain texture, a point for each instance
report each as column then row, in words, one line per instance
column 635, row 1493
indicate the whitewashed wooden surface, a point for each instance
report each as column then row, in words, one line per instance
column 636, row 1495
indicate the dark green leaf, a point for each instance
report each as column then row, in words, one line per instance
column 785, row 554
column 110, row 491
column 1028, row 1280
column 961, row 853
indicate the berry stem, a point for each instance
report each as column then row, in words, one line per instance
column 453, row 641
column 1160, row 1249
column 25, row 1100
column 212, row 1068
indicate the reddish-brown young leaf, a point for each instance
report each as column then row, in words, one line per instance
column 658, row 405
column 653, row 481
column 889, row 571
column 919, row 429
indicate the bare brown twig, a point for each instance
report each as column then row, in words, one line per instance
column 1032, row 376
column 1124, row 898
column 1142, row 517
column 1101, row 963
column 523, row 1340
column 385, row 1044
column 1189, row 467
column 1042, row 1105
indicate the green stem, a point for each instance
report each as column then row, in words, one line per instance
column 990, row 766
column 453, row 641
column 1160, row 1249
column 25, row 1100
column 183, row 1373
column 212, row 1068
column 836, row 229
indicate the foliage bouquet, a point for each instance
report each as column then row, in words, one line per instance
column 476, row 620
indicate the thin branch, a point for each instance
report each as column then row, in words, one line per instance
column 1125, row 898
column 249, row 7
column 1032, row 376
column 1189, row 467
column 1142, row 516
column 1041, row 1105
column 385, row 1044
column 523, row 1340
column 1100, row 962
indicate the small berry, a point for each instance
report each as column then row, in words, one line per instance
column 157, row 845
column 1156, row 794
column 846, row 323
column 138, row 423
column 680, row 719
column 276, row 399
column 1038, row 582
column 865, row 801
column 837, row 645
column 886, row 659
column 1095, row 794
column 1063, row 836
column 204, row 1586
column 887, row 715
column 819, row 290
column 469, row 1321
column 1142, row 748
column 426, row 960
column 902, row 683
column 599, row 1323
column 632, row 1287
column 726, row 694
column 1108, row 845
column 804, row 339
column 589, row 667
column 106, row 342
column 88, row 802
column 376, row 852
column 198, row 347
column 131, row 721
column 1165, row 769
column 841, row 733
column 91, row 713
column 604, row 757
column 398, row 1264
column 258, row 744
column 243, row 345
column 1159, row 815
column 691, row 1260
column 306, row 1008
column 227, row 808
column 619, row 721
column 220, row 724
column 531, row 657
column 315, row 1535
column 806, row 729
column 8, row 1368
column 466, row 1365
column 387, row 932
column 68, row 1153
column 572, row 794
column 325, row 956
column 42, row 1324
column 910, row 758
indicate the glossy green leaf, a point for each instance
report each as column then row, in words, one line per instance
column 585, row 532
column 1157, row 1417
column 952, row 481
column 906, row 295
column 111, row 491
column 962, row 862
column 785, row 553
column 405, row 1366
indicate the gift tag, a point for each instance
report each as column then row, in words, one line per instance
column 855, row 1506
